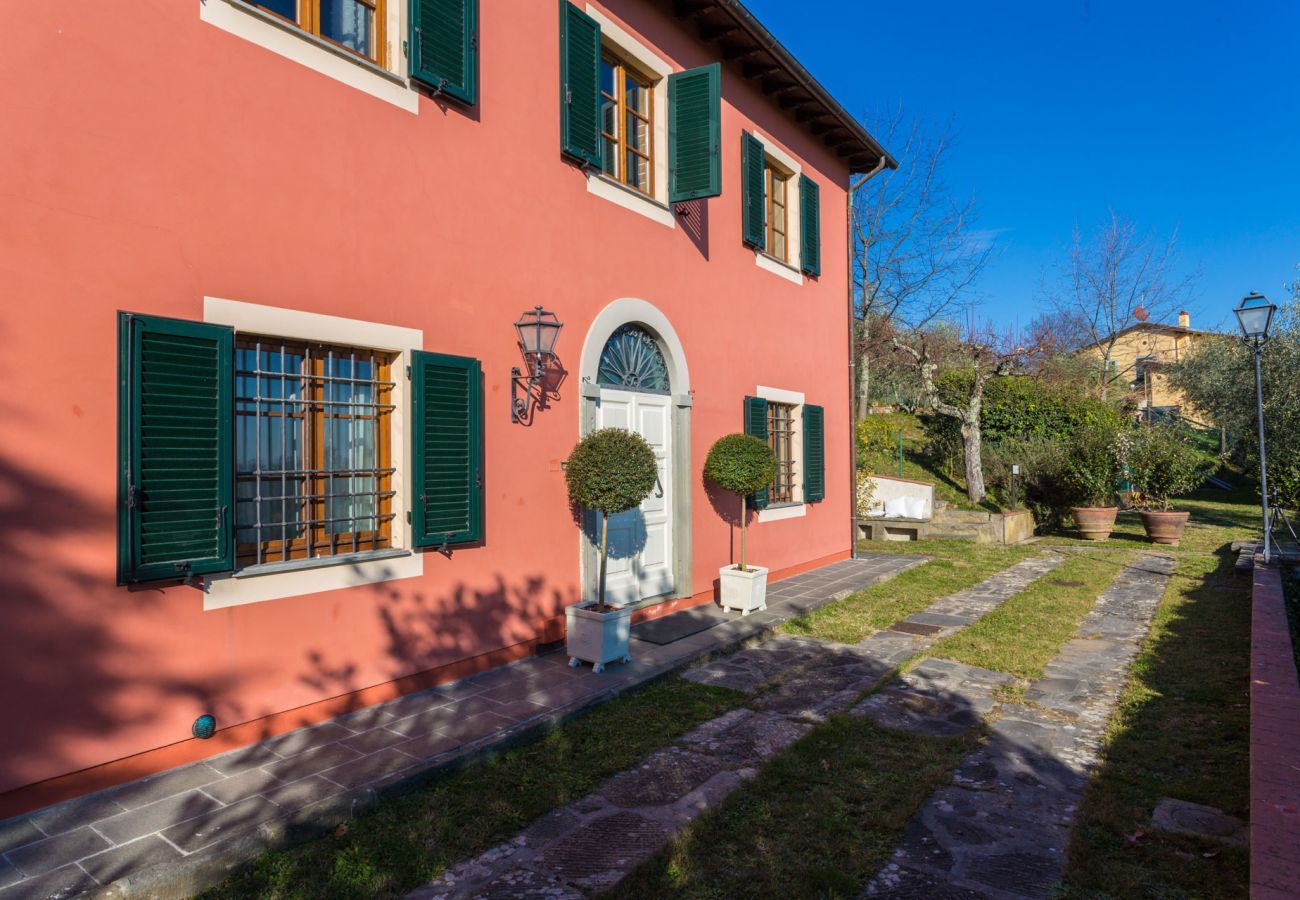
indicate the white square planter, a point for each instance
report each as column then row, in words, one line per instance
column 597, row 637
column 745, row 591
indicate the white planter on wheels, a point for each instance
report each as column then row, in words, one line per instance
column 745, row 590
column 597, row 637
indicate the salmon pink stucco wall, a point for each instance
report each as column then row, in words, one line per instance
column 150, row 159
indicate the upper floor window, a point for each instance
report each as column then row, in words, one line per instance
column 626, row 124
column 355, row 25
column 776, row 193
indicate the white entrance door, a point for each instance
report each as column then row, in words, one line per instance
column 641, row 540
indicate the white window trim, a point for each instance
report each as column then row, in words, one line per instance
column 265, row 30
column 618, row 40
column 791, row 270
column 221, row 591
column 797, row 508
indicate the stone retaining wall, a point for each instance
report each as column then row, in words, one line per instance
column 1274, row 744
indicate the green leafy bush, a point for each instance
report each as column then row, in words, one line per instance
column 610, row 470
column 1016, row 409
column 877, row 442
column 1162, row 462
column 1091, row 468
column 741, row 464
column 1040, row 486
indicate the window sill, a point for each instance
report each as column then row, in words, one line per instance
column 778, row 511
column 260, row 27
column 602, row 185
column 788, row 271
column 297, row 565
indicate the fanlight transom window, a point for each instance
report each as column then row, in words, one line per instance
column 632, row 360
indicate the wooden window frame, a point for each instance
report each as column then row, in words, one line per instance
column 773, row 175
column 622, row 69
column 317, row 540
column 780, row 437
column 309, row 21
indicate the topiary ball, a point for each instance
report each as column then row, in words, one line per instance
column 611, row 470
column 740, row 463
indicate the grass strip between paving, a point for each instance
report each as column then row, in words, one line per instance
column 410, row 840
column 955, row 565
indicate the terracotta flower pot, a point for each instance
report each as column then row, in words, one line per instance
column 1164, row 526
column 1095, row 523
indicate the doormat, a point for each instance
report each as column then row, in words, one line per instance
column 667, row 629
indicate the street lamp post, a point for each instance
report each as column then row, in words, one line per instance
column 1255, row 314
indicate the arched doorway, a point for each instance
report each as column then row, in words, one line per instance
column 634, row 376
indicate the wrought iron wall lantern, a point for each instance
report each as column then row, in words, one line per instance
column 538, row 331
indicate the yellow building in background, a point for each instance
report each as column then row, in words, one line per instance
column 1139, row 361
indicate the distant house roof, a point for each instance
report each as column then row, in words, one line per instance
column 743, row 40
column 1146, row 326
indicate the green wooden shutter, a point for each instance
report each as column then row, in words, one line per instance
column 814, row 453
column 810, row 225
column 756, row 425
column 752, row 193
column 444, row 46
column 579, row 84
column 447, row 421
column 695, row 133
column 175, row 449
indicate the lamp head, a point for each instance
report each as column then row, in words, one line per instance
column 538, row 331
column 1255, row 315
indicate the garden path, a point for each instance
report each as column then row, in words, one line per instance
column 1001, row 828
column 795, row 682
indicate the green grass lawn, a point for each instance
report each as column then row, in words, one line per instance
column 955, row 565
column 1182, row 731
column 1027, row 631
column 818, row 821
column 413, row 839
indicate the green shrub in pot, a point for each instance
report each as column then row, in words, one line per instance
column 1162, row 462
column 610, row 471
column 1089, row 471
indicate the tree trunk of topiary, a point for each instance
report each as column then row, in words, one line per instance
column 743, row 517
column 604, row 534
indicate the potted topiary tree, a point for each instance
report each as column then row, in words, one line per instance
column 1089, row 473
column 610, row 471
column 1162, row 463
column 741, row 464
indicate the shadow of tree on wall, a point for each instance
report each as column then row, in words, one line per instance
column 425, row 631
column 70, row 674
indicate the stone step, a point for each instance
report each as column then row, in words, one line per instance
column 963, row 516
column 952, row 535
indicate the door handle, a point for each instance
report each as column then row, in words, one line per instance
column 659, row 489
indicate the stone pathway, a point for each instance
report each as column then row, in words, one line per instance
column 796, row 682
column 1001, row 828
column 176, row 832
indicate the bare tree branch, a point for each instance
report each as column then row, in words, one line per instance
column 915, row 249
column 1105, row 278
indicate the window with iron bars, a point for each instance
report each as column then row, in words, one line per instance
column 780, row 437
column 313, row 473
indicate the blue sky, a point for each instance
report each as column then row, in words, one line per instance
column 1176, row 114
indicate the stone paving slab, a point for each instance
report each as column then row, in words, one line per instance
column 794, row 683
column 178, row 831
column 1001, row 828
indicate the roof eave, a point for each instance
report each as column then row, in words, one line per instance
column 762, row 58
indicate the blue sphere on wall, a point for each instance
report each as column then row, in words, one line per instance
column 204, row 727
